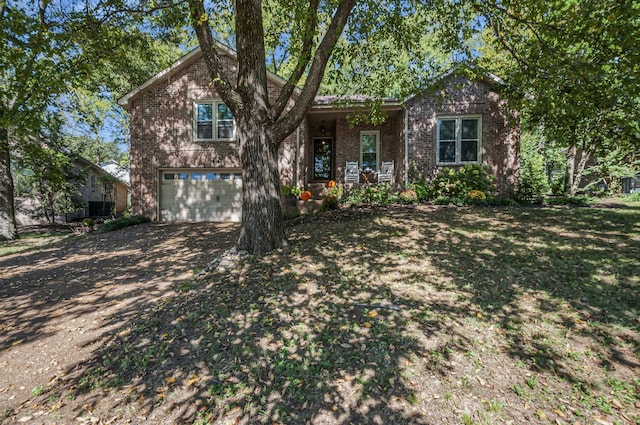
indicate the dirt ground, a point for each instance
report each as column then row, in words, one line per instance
column 58, row 303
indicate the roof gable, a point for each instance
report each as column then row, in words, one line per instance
column 186, row 60
column 472, row 71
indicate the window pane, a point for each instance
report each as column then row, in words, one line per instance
column 469, row 129
column 224, row 113
column 196, row 176
column 369, row 161
column 169, row 176
column 447, row 151
column 225, row 129
column 369, row 143
column 469, row 151
column 447, row 129
column 225, row 176
column 183, row 176
column 237, row 176
column 205, row 112
column 205, row 130
column 211, row 176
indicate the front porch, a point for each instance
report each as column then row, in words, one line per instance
column 334, row 138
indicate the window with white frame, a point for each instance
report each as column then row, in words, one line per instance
column 459, row 139
column 213, row 121
column 369, row 150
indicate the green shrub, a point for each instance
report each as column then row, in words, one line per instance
column 634, row 197
column 408, row 196
column 459, row 182
column 476, row 197
column 120, row 223
column 577, row 201
column 88, row 222
column 421, row 188
column 532, row 184
column 374, row 194
column 330, row 202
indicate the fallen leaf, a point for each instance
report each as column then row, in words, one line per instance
column 367, row 324
column 559, row 413
column 373, row 313
column 170, row 379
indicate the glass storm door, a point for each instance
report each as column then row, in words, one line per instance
column 322, row 158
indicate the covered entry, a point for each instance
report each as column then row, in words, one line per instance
column 201, row 195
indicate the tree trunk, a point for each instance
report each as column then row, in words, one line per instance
column 571, row 168
column 8, row 229
column 262, row 222
column 576, row 164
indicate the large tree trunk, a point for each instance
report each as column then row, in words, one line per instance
column 262, row 224
column 8, row 229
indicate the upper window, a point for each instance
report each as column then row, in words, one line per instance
column 214, row 121
column 369, row 150
column 459, row 139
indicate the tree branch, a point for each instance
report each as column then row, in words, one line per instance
column 212, row 59
column 303, row 61
column 288, row 123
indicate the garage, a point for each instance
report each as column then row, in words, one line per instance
column 201, row 195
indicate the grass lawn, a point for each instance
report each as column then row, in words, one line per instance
column 406, row 315
column 30, row 240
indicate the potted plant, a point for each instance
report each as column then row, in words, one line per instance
column 290, row 193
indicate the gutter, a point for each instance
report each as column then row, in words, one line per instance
column 406, row 148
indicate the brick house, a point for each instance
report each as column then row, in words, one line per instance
column 185, row 166
column 97, row 193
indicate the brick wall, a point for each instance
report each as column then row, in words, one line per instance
column 162, row 133
column 460, row 95
column 347, row 146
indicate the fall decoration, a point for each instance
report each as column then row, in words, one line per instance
column 305, row 196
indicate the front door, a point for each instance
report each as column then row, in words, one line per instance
column 322, row 158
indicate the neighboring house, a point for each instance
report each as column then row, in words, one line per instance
column 184, row 158
column 631, row 184
column 100, row 194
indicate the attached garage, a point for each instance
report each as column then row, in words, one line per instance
column 201, row 195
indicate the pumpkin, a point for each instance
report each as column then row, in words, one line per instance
column 305, row 196
column 331, row 183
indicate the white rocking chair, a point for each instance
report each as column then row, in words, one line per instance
column 386, row 172
column 351, row 172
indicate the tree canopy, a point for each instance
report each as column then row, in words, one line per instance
column 55, row 56
column 573, row 69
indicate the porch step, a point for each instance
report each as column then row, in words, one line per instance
column 318, row 190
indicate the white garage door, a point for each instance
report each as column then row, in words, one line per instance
column 201, row 195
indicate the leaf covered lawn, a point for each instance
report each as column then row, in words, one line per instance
column 405, row 315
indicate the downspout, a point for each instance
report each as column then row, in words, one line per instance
column 406, row 148
column 297, row 182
